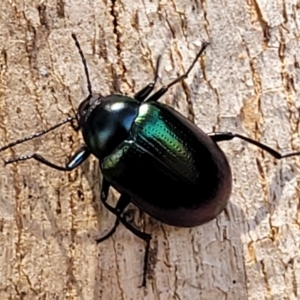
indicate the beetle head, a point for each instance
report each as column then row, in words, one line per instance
column 105, row 122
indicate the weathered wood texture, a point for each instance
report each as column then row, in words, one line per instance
column 247, row 82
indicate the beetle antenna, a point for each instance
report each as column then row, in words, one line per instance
column 37, row 134
column 86, row 71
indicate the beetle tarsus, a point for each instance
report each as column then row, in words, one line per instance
column 109, row 234
column 77, row 159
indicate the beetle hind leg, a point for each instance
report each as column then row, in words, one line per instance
column 110, row 233
column 123, row 202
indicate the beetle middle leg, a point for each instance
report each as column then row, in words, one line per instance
column 226, row 136
column 122, row 203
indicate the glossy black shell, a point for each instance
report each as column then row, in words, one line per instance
column 170, row 168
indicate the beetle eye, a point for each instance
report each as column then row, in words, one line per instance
column 82, row 108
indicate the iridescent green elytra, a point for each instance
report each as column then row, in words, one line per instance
column 161, row 164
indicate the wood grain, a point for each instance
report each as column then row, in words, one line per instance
column 248, row 82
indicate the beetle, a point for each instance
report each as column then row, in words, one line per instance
column 152, row 155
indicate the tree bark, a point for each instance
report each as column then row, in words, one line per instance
column 247, row 82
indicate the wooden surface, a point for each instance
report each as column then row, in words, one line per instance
column 247, row 82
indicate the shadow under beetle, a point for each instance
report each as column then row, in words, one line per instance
column 152, row 155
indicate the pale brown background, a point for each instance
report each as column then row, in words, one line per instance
column 248, row 82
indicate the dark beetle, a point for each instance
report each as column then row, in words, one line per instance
column 152, row 155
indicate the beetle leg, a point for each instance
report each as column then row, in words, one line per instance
column 78, row 158
column 121, row 205
column 104, row 190
column 142, row 235
column 123, row 201
column 165, row 88
column 145, row 92
column 110, row 233
column 226, row 136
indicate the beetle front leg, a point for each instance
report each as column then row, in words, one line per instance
column 165, row 88
column 146, row 91
column 78, row 158
column 110, row 233
column 123, row 202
